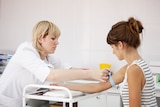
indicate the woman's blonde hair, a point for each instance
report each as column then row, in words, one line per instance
column 43, row 29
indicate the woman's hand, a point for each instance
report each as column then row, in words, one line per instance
column 100, row 75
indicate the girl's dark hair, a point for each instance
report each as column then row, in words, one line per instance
column 127, row 32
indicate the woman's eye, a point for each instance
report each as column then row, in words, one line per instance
column 53, row 38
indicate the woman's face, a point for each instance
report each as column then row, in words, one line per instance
column 117, row 50
column 49, row 43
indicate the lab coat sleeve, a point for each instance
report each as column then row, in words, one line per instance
column 57, row 62
column 30, row 60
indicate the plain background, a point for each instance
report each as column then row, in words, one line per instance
column 84, row 25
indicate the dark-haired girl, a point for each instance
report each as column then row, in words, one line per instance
column 137, row 85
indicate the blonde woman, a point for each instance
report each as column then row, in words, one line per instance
column 34, row 63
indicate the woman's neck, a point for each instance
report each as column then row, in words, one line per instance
column 43, row 55
column 131, row 56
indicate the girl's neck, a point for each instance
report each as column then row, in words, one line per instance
column 132, row 56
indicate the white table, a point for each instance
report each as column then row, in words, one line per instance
column 70, row 99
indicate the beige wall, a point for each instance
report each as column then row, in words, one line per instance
column 84, row 25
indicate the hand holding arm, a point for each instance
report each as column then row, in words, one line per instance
column 97, row 87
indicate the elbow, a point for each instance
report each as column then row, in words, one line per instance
column 52, row 77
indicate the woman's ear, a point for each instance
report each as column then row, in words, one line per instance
column 120, row 44
column 40, row 38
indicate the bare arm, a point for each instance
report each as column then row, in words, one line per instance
column 58, row 75
column 97, row 87
column 136, row 81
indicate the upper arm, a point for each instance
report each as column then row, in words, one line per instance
column 135, row 85
column 119, row 75
column 31, row 62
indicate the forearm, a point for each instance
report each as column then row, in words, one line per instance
column 71, row 74
column 89, row 88
column 95, row 87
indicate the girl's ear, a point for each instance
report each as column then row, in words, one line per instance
column 120, row 44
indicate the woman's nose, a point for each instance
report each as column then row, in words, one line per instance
column 56, row 42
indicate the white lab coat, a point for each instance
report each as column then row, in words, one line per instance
column 25, row 67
